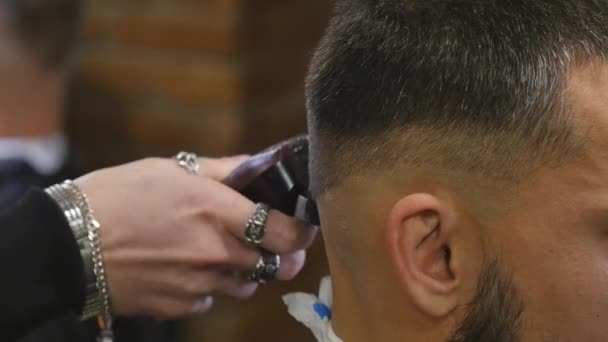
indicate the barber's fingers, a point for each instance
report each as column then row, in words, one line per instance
column 192, row 290
column 197, row 284
column 193, row 282
column 291, row 265
column 223, row 251
column 202, row 305
column 283, row 234
column 229, row 211
column 220, row 282
column 177, row 307
column 219, row 249
column 219, row 168
column 238, row 286
column 244, row 257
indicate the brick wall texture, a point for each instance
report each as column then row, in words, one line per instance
column 214, row 76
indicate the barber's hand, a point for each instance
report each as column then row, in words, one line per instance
column 170, row 240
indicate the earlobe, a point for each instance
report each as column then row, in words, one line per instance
column 418, row 238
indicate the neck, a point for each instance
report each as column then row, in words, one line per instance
column 30, row 125
column 31, row 107
column 365, row 310
column 348, row 321
column 31, row 94
column 384, row 322
column 359, row 312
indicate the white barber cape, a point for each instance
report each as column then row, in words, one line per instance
column 314, row 312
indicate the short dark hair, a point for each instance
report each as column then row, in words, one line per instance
column 479, row 86
column 47, row 28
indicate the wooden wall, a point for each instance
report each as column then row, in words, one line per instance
column 215, row 76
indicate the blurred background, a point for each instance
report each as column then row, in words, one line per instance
column 153, row 77
column 214, row 76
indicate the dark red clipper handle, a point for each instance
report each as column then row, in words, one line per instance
column 278, row 176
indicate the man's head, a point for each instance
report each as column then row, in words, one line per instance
column 460, row 160
column 47, row 30
column 37, row 42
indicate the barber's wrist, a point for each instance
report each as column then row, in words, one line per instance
column 80, row 217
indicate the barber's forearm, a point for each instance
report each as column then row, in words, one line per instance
column 41, row 265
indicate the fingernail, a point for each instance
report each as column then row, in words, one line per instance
column 202, row 305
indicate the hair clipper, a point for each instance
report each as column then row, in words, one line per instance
column 278, row 177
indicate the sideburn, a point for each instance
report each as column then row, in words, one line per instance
column 495, row 313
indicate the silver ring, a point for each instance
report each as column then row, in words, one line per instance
column 188, row 161
column 256, row 226
column 266, row 268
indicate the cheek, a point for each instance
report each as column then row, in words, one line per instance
column 561, row 273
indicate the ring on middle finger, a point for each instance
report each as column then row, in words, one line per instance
column 256, row 225
column 266, row 268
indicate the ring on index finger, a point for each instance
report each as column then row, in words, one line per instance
column 188, row 161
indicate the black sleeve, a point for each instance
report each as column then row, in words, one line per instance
column 42, row 271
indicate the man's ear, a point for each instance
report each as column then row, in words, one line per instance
column 418, row 236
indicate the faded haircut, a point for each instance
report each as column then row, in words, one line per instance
column 471, row 86
column 48, row 29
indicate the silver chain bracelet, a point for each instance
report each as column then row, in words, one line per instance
column 75, row 206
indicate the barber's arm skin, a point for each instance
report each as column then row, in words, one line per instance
column 171, row 239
